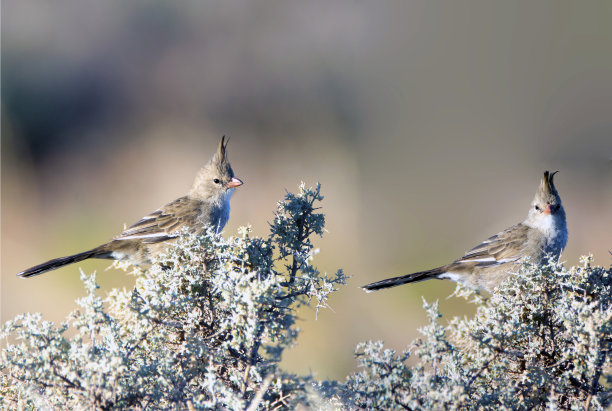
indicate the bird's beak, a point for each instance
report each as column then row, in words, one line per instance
column 547, row 209
column 234, row 182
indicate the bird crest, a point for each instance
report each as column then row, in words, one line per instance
column 220, row 156
column 547, row 186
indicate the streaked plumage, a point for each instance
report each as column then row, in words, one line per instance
column 544, row 232
column 206, row 204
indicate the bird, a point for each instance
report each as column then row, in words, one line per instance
column 543, row 234
column 206, row 205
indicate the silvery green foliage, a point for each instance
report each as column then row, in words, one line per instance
column 204, row 327
column 542, row 341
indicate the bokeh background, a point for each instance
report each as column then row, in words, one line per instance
column 427, row 123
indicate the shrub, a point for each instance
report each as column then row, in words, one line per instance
column 204, row 327
column 542, row 341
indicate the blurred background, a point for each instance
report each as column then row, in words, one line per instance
column 428, row 124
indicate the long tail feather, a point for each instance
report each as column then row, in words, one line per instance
column 60, row 262
column 404, row 279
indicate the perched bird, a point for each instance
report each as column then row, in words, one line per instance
column 206, row 204
column 542, row 234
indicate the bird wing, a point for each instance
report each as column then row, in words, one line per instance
column 162, row 224
column 503, row 247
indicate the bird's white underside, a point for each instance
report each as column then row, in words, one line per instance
column 451, row 276
column 118, row 255
column 544, row 223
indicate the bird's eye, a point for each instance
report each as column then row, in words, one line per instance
column 216, row 181
column 537, row 207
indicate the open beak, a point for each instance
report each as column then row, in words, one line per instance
column 234, row 182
